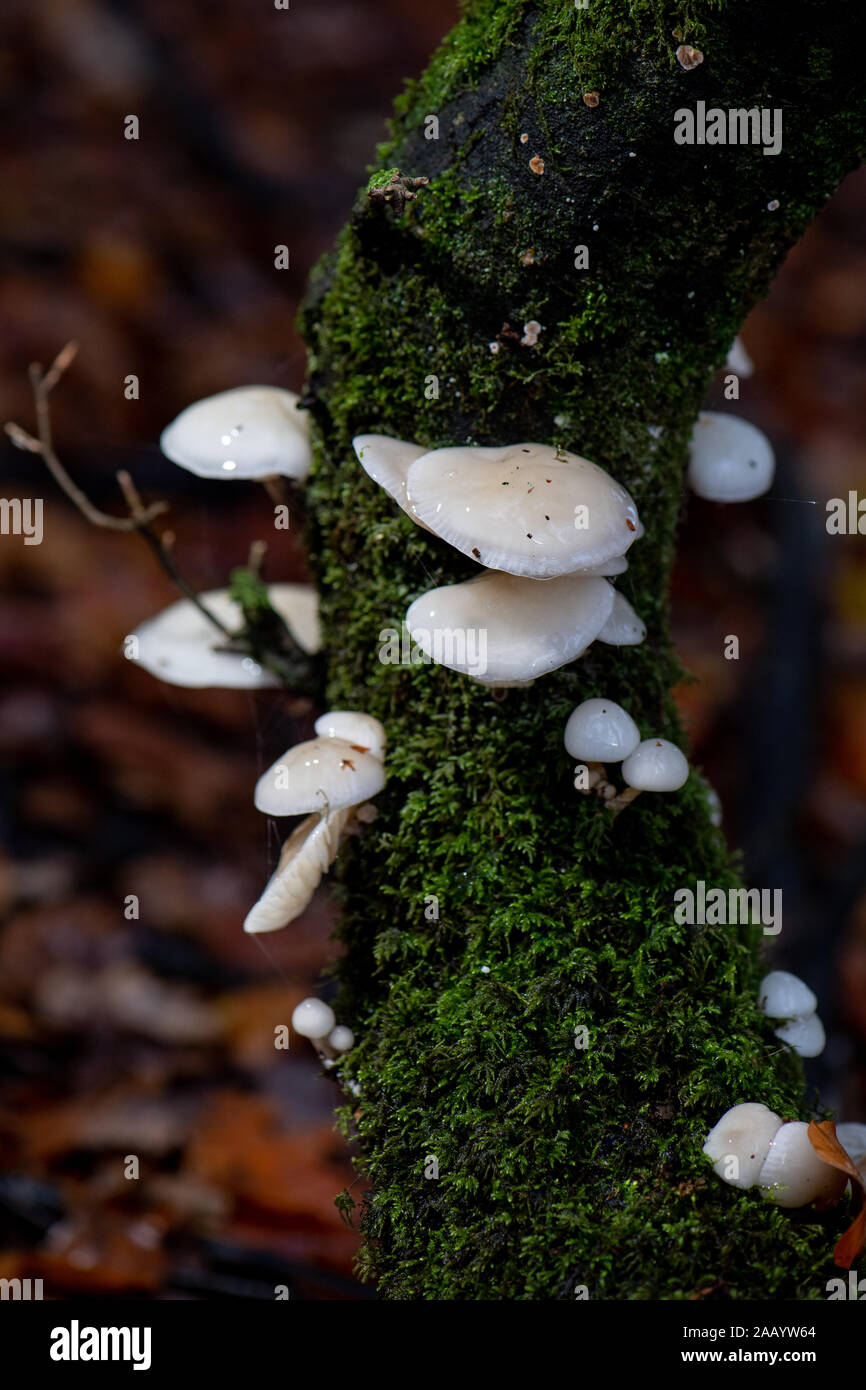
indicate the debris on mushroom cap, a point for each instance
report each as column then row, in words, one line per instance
column 656, row 765
column 793, row 1174
column 247, row 432
column 181, row 647
column 360, row 729
column 623, row 628
column 783, row 995
column 738, row 360
column 527, row 509
column 307, row 854
column 324, row 774
column 805, row 1035
column 387, row 461
column 501, row 629
column 341, row 1038
column 600, row 731
column 744, row 1133
column 313, row 1019
column 729, row 459
column 852, row 1137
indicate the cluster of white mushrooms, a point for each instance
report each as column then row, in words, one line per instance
column 548, row 526
column 753, row 1146
column 784, row 997
column 599, row 732
column 259, row 433
column 328, row 779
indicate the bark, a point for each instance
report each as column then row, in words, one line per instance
column 558, row 1167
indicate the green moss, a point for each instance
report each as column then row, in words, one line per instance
column 558, row 1166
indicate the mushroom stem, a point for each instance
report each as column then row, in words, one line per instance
column 324, row 1050
column 274, row 485
column 625, row 798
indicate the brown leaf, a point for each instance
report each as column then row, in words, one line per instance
column 823, row 1140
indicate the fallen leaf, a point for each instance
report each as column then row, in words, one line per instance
column 823, row 1140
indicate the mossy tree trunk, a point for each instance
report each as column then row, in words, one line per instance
column 558, row 1167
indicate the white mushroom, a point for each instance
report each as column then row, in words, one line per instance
column 341, row 1038
column 360, row 729
column 247, row 432
column 323, row 774
column 503, row 630
column 313, row 1019
column 600, row 731
column 793, row 1175
column 782, row 995
column 307, row 854
column 527, row 509
column 740, row 1142
column 623, row 628
column 738, row 360
column 805, row 1035
column 387, row 461
column 182, row 647
column 656, row 765
column 729, row 460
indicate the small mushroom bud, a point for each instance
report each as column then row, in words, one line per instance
column 313, row 1019
column 600, row 731
column 656, row 765
column 740, row 1142
column 730, row 460
column 793, row 1175
column 341, row 1038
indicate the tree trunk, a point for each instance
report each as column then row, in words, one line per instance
column 558, row 1166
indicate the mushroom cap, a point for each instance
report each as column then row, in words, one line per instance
column 656, row 765
column 600, row 731
column 738, row 360
column 247, row 432
column 181, row 647
column 341, row 1038
column 783, row 995
column 387, row 461
column 313, row 1019
column 853, row 1139
column 729, row 459
column 805, row 1035
column 529, row 628
column 515, row 508
column 793, row 1175
column 323, row 774
column 360, row 729
column 623, row 628
column 617, row 565
column 744, row 1132
column 307, row 854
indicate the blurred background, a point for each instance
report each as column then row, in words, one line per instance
column 154, row 1036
